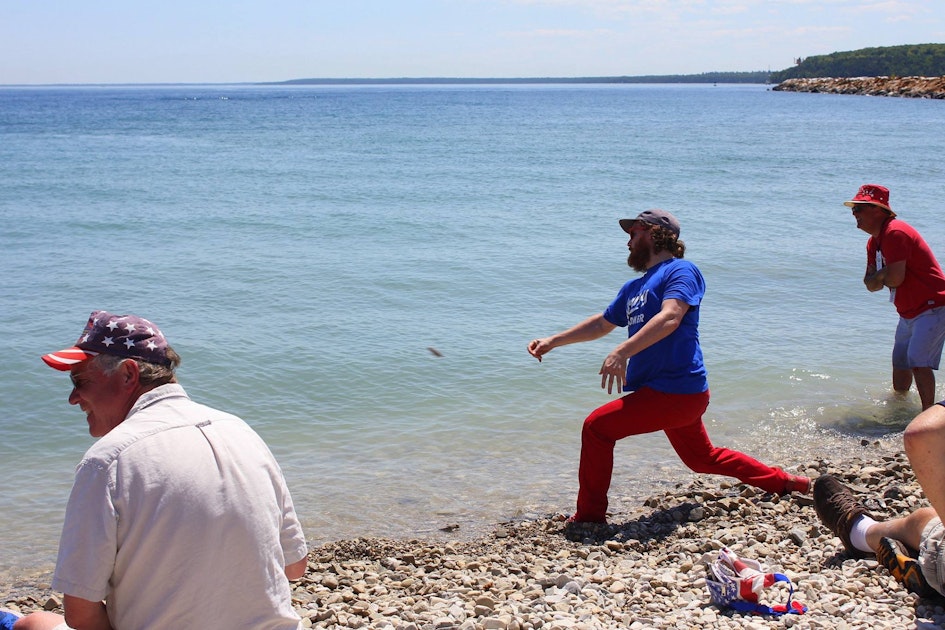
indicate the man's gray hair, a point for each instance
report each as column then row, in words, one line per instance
column 149, row 374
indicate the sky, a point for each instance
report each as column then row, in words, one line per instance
column 216, row 41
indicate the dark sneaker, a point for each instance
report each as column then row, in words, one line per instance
column 893, row 555
column 838, row 510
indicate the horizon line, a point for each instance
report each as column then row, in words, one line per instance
column 417, row 80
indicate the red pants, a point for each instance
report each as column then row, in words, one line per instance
column 680, row 417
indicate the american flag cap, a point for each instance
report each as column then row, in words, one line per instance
column 127, row 336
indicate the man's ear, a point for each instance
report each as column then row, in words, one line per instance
column 130, row 375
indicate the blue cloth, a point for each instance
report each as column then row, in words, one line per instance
column 7, row 619
column 674, row 364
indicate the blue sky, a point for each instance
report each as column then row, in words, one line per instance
column 96, row 41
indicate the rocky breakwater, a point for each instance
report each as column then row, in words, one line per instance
column 908, row 87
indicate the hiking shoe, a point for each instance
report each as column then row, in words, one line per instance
column 893, row 555
column 838, row 509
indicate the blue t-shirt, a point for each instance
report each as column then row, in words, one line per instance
column 674, row 364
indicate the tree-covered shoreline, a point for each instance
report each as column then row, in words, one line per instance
column 915, row 60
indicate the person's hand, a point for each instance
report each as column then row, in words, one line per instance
column 613, row 372
column 539, row 347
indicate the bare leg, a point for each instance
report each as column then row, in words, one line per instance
column 925, row 383
column 902, row 380
column 907, row 529
column 924, row 440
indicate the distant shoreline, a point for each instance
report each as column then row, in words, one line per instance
column 754, row 77
column 760, row 76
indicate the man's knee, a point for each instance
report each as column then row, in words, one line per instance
column 925, row 428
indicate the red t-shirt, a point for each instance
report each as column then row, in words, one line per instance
column 924, row 285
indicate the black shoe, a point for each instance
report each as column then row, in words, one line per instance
column 893, row 555
column 838, row 509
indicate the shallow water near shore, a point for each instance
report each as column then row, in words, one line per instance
column 304, row 247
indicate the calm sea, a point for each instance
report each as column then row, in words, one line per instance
column 303, row 247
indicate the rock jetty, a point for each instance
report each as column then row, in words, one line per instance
column 644, row 570
column 908, row 87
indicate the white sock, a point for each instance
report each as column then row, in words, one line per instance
column 858, row 533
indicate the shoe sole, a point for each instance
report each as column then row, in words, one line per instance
column 893, row 555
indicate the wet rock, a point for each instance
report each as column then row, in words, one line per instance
column 907, row 87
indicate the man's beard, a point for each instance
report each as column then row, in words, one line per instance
column 639, row 257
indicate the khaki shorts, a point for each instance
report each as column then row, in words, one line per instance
column 932, row 554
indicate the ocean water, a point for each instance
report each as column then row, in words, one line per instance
column 303, row 248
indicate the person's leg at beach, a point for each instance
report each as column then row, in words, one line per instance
column 895, row 542
column 901, row 370
column 642, row 411
column 921, row 531
column 925, row 352
column 925, row 385
column 918, row 349
column 695, row 449
column 902, row 380
column 602, row 428
column 924, row 441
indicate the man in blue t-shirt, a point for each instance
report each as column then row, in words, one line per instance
column 660, row 368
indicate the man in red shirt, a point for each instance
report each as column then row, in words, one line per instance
column 898, row 257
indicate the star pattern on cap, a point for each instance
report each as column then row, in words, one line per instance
column 124, row 335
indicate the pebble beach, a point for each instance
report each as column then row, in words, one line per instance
column 646, row 569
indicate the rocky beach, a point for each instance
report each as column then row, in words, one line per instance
column 645, row 570
column 906, row 87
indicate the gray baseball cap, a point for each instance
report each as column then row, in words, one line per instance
column 655, row 216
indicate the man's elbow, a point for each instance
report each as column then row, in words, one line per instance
column 296, row 570
column 894, row 281
column 82, row 614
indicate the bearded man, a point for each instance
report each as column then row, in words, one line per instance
column 659, row 368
